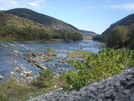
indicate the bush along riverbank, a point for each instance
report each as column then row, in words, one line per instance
column 92, row 68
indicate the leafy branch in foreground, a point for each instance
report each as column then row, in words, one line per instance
column 95, row 67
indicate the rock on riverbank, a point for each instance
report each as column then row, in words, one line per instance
column 117, row 88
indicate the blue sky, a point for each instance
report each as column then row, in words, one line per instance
column 92, row 15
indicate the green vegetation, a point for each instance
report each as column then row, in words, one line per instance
column 119, row 34
column 118, row 37
column 77, row 54
column 49, row 50
column 67, row 36
column 43, row 19
column 14, row 90
column 48, row 56
column 14, row 28
column 46, row 78
column 99, row 38
column 94, row 67
column 97, row 67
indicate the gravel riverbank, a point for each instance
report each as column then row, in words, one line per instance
column 117, row 88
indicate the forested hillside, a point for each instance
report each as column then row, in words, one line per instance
column 14, row 28
column 46, row 20
column 119, row 34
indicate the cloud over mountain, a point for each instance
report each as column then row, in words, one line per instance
column 8, row 4
column 127, row 6
column 36, row 3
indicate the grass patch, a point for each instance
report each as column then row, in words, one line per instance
column 49, row 50
column 59, row 57
column 77, row 54
column 47, row 59
column 48, row 56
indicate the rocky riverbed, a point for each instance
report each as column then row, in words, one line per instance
column 117, row 88
column 13, row 54
column 42, row 61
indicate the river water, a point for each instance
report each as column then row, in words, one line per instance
column 8, row 57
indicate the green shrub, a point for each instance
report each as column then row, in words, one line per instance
column 49, row 50
column 46, row 78
column 77, row 54
column 95, row 67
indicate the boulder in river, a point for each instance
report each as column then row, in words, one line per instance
column 16, row 51
column 40, row 65
column 1, row 77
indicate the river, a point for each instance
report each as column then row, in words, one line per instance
column 8, row 57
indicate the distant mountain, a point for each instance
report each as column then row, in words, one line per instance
column 87, row 32
column 119, row 34
column 46, row 20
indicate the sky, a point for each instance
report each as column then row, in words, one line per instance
column 91, row 15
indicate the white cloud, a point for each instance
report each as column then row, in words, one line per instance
column 13, row 3
column 128, row 6
column 6, row 4
column 36, row 3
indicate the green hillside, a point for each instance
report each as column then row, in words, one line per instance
column 15, row 28
column 123, row 22
column 46, row 20
column 119, row 34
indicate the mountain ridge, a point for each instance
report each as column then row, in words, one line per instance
column 16, row 28
column 87, row 32
column 48, row 21
column 124, row 21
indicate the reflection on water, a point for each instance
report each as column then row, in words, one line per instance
column 7, row 57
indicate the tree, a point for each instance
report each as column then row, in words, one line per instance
column 77, row 37
column 118, row 37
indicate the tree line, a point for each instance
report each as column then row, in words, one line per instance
column 118, row 37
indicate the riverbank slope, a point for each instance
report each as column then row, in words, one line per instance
column 117, row 88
